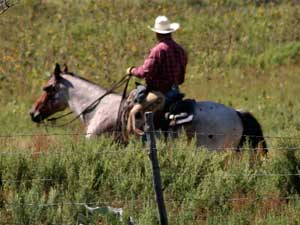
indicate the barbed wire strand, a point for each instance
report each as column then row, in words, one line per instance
column 262, row 198
column 16, row 135
column 221, row 174
column 124, row 151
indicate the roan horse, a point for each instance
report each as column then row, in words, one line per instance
column 215, row 126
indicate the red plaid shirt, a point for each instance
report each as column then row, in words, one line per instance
column 164, row 66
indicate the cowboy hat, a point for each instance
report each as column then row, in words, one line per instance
column 162, row 25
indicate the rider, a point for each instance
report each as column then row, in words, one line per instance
column 163, row 70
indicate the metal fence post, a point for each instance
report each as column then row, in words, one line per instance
column 149, row 128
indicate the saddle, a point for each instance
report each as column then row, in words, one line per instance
column 177, row 111
column 180, row 112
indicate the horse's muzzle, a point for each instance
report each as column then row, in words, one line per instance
column 35, row 116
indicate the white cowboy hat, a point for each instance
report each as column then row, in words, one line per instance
column 162, row 25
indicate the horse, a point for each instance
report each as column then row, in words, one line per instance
column 214, row 125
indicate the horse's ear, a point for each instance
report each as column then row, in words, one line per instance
column 65, row 69
column 57, row 71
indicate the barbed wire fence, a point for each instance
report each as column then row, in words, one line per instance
column 160, row 133
column 253, row 199
column 20, row 135
column 9, row 136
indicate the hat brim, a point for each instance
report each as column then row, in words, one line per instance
column 173, row 27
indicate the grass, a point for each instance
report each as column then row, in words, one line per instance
column 199, row 186
column 244, row 54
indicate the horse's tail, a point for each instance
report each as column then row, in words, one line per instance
column 252, row 132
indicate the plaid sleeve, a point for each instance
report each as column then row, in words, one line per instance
column 150, row 66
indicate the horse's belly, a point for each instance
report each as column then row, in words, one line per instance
column 218, row 127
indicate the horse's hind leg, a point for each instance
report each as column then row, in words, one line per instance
column 173, row 133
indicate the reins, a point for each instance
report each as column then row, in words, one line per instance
column 125, row 79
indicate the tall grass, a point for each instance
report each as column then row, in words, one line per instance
column 199, row 186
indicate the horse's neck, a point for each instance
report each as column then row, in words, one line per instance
column 81, row 94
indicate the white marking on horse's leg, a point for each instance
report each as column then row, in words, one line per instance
column 91, row 131
column 89, row 135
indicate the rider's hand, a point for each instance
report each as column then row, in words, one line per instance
column 128, row 71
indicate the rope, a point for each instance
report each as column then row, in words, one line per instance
column 118, row 127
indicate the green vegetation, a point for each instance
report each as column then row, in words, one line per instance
column 245, row 54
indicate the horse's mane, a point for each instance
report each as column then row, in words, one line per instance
column 81, row 78
column 84, row 79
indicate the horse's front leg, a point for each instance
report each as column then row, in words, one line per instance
column 89, row 135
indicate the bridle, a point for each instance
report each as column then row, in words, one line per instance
column 124, row 80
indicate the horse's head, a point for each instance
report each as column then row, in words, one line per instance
column 53, row 98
